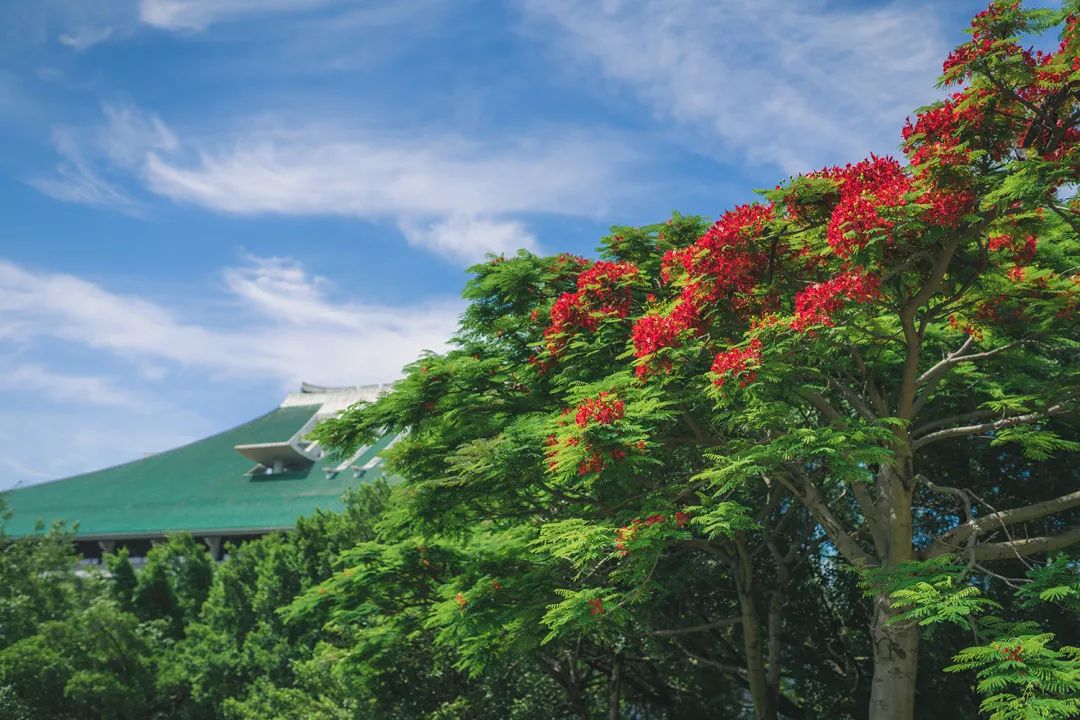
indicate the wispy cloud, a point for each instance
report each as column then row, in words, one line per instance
column 796, row 85
column 77, row 180
column 456, row 196
column 198, row 14
column 82, row 38
column 282, row 326
column 72, row 390
column 468, row 236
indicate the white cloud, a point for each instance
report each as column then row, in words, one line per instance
column 58, row 441
column 77, row 180
column 453, row 195
column 282, row 326
column 72, row 390
column 129, row 134
column 198, row 14
column 793, row 84
column 469, row 238
column 319, row 170
column 81, row 38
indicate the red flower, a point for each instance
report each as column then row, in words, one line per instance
column 866, row 189
column 596, row 606
column 594, row 463
column 737, row 361
column 720, row 270
column 461, row 601
column 816, row 304
column 602, row 410
column 602, row 292
column 681, row 518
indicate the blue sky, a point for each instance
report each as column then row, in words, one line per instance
column 208, row 201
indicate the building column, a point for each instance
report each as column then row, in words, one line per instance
column 107, row 546
column 213, row 542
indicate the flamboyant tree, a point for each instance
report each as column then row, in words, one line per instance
column 797, row 379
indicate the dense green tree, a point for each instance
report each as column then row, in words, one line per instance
column 828, row 353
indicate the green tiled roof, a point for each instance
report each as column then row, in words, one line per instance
column 201, row 488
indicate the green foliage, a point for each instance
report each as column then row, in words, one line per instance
column 1023, row 677
column 928, row 593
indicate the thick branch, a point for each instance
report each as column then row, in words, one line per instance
column 868, row 379
column 1029, row 546
column 811, row 498
column 986, row 427
column 868, row 508
column 945, row 363
column 911, row 336
column 853, row 397
column 824, row 407
column 951, row 539
column 929, row 380
column 723, row 622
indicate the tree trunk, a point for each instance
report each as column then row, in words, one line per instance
column 762, row 695
column 896, row 657
column 896, row 645
column 615, row 688
column 570, row 683
column 760, row 692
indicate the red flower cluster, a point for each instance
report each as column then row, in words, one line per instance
column 865, row 189
column 596, row 606
column 461, row 601
column 602, row 292
column 737, row 361
column 816, row 304
column 1022, row 249
column 936, row 134
column 1015, row 653
column 720, row 265
column 947, row 207
column 956, row 65
column 721, row 253
column 653, row 332
column 628, row 532
column 624, row 535
column 603, row 409
column 593, row 463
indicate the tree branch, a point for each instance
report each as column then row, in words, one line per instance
column 878, row 401
column 811, row 498
column 911, row 336
column 1002, row 518
column 938, row 371
column 723, row 622
column 1029, row 546
column 853, row 397
column 985, row 427
column 824, row 407
column 952, row 419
